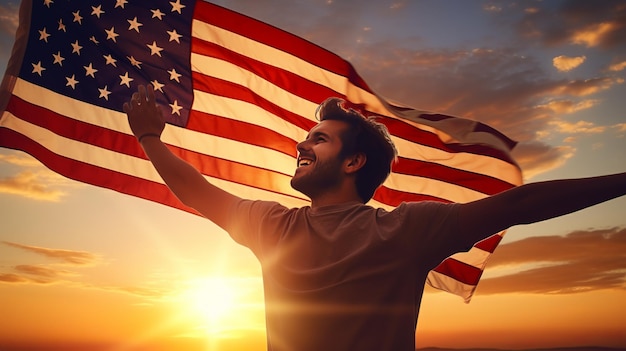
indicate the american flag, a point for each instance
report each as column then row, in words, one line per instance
column 239, row 94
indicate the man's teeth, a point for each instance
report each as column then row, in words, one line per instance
column 304, row 162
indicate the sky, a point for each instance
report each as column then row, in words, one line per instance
column 86, row 266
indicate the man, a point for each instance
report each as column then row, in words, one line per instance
column 338, row 274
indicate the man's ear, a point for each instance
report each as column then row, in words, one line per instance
column 355, row 162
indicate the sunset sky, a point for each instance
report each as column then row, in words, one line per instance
column 86, row 266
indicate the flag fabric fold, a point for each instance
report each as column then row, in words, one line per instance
column 238, row 95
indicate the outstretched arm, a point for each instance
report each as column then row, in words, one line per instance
column 147, row 123
column 536, row 202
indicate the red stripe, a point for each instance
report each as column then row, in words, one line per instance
column 241, row 131
column 231, row 90
column 90, row 174
column 74, row 129
column 394, row 197
column 276, row 38
column 475, row 181
column 459, row 271
column 282, row 78
column 489, row 244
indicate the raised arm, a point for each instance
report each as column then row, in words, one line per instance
column 147, row 123
column 536, row 202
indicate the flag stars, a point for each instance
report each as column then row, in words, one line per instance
column 157, row 85
column 47, row 3
column 120, row 3
column 134, row 61
column 76, row 48
column 176, row 108
column 37, row 68
column 62, row 26
column 43, row 35
column 177, row 6
column 174, row 75
column 110, row 60
column 134, row 24
column 90, row 71
column 97, row 11
column 111, row 34
column 94, row 40
column 157, row 14
column 58, row 58
column 71, row 82
column 125, row 80
column 174, row 36
column 104, row 93
column 77, row 17
column 154, row 49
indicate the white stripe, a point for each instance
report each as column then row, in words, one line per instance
column 187, row 139
column 82, row 152
column 432, row 187
column 443, row 282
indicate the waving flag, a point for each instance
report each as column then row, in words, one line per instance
column 239, row 95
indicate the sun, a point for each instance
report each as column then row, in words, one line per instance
column 210, row 300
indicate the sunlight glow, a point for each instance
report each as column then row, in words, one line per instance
column 210, row 300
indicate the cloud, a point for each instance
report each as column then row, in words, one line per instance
column 9, row 19
column 569, row 106
column 580, row 127
column 81, row 258
column 600, row 24
column 577, row 262
column 30, row 185
column 566, row 63
column 618, row 66
column 536, row 157
column 42, row 271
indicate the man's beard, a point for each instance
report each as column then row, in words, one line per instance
column 317, row 178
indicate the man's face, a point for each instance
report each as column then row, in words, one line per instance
column 319, row 165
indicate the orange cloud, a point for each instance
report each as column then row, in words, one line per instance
column 594, row 34
column 41, row 271
column 30, row 185
column 569, row 106
column 81, row 258
column 587, row 86
column 580, row 127
column 577, row 262
column 619, row 66
column 536, row 158
column 566, row 63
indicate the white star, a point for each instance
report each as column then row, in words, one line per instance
column 104, row 93
column 176, row 108
column 61, row 26
column 90, row 71
column 110, row 60
column 134, row 24
column 158, row 14
column 134, row 61
column 58, row 58
column 77, row 17
column 94, row 40
column 174, row 75
column 177, row 6
column 157, row 86
column 76, row 48
column 111, row 34
column 71, row 82
column 97, row 11
column 120, row 3
column 125, row 80
column 43, row 35
column 47, row 2
column 37, row 68
column 174, row 36
column 154, row 49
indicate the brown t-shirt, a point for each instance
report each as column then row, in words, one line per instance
column 345, row 277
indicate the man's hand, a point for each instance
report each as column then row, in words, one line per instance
column 144, row 115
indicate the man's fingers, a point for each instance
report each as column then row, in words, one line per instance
column 150, row 95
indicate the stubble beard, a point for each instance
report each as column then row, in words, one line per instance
column 322, row 177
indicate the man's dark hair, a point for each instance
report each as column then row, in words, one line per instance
column 366, row 136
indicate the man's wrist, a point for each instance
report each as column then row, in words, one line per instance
column 146, row 135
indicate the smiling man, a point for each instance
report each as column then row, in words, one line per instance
column 339, row 274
